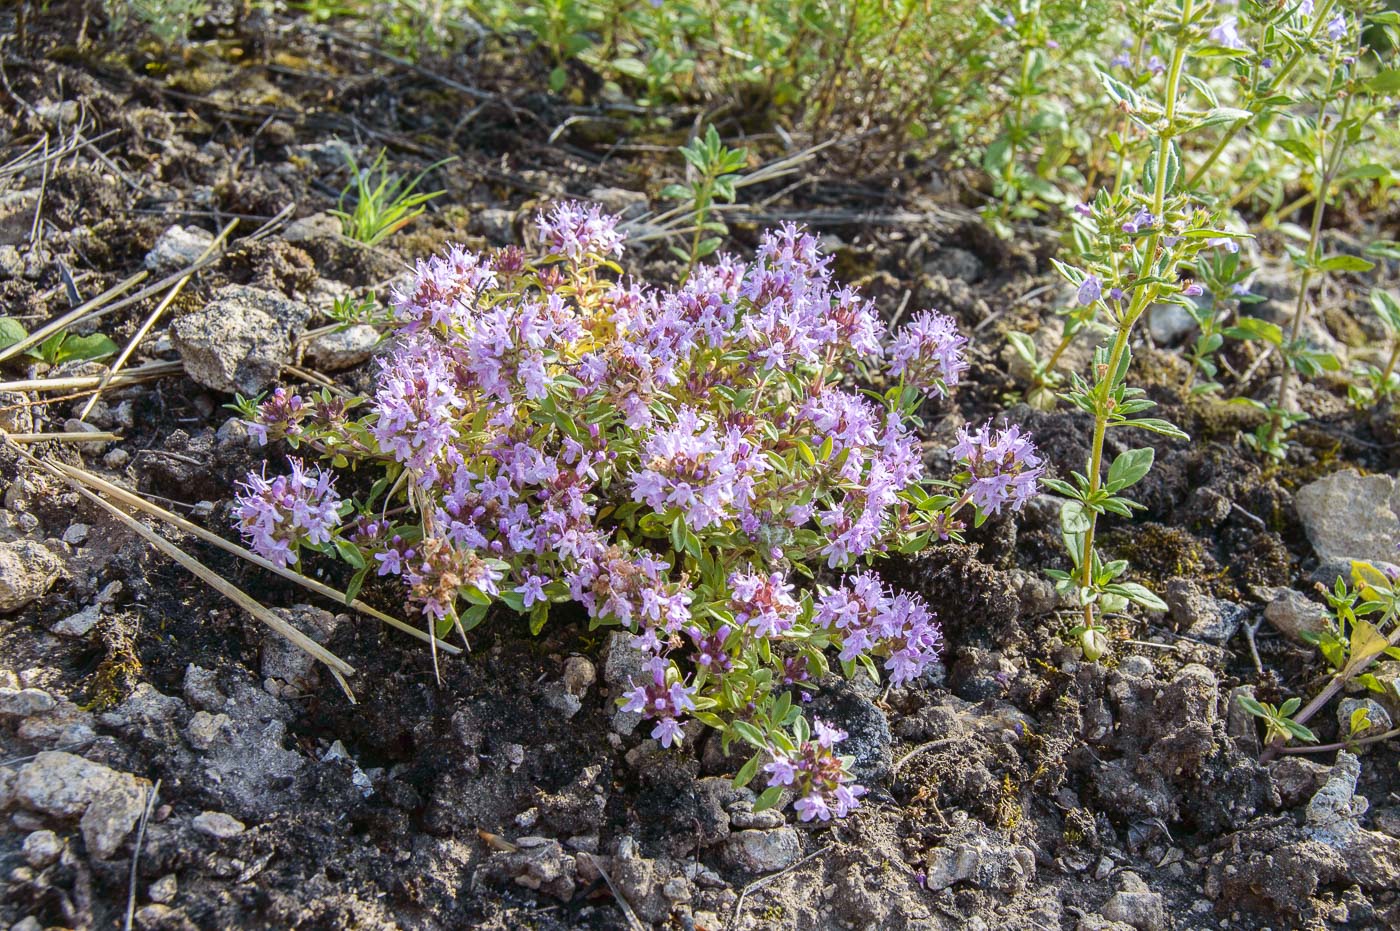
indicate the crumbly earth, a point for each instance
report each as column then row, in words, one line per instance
column 149, row 728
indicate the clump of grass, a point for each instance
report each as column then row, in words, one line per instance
column 380, row 203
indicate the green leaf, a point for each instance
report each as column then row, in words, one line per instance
column 83, row 348
column 1385, row 82
column 750, row 734
column 539, row 616
column 1345, row 263
column 11, row 332
column 1140, row 595
column 1075, row 518
column 767, row 798
column 473, row 616
column 748, row 771
column 1130, row 467
column 1157, row 425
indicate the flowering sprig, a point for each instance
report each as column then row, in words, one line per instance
column 670, row 459
column 279, row 515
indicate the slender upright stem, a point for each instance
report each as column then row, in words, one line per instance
column 1333, row 163
column 1143, row 297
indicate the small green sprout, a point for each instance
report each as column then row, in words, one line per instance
column 717, row 167
column 1278, row 720
column 381, row 203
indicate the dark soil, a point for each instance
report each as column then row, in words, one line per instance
column 1063, row 794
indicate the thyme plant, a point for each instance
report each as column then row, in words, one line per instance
column 674, row 462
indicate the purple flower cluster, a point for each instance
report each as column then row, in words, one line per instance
column 867, row 618
column 553, row 433
column 928, row 353
column 276, row 516
column 762, row 603
column 579, row 231
column 662, row 703
column 1004, row 465
column 690, row 466
column 816, row 775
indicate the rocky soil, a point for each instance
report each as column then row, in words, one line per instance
column 163, row 755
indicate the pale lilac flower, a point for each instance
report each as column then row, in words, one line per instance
column 1004, row 465
column 1139, row 221
column 662, row 703
column 817, row 775
column 1121, row 60
column 1084, row 210
column 1226, row 34
column 864, row 617
column 1337, row 27
column 928, row 353
column 277, row 516
column 1090, row 290
column 1156, row 65
column 1228, row 243
column 1193, row 289
column 578, row 231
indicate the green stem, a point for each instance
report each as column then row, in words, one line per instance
column 1334, row 162
column 1142, row 299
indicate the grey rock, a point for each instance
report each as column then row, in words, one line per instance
column 111, row 816
column 202, row 689
column 1347, row 515
column 1169, row 324
column 240, row 340
column 757, row 851
column 623, row 666
column 952, row 262
column 27, row 923
column 1293, row 614
column 205, row 729
column 318, row 226
column 559, row 698
column 1200, row 615
column 65, row 785
column 983, row 861
column 342, row 349
column 287, row 668
column 76, row 534
column 1376, row 713
column 543, row 867
column 42, row 848
column 21, row 703
column 17, row 216
column 27, row 570
column 177, row 248
column 1332, row 814
column 62, row 784
column 495, row 224
column 1144, row 911
column 629, row 205
column 579, row 674
column 217, row 824
column 164, row 890
column 80, row 624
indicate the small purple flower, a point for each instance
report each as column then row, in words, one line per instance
column 818, row 777
column 1139, row 221
column 662, row 703
column 1155, row 65
column 532, row 590
column 1121, row 60
column 1306, row 8
column 1226, row 34
column 1115, row 295
column 1228, row 243
column 1008, row 21
column 1089, row 291
column 1266, row 63
column 1240, row 290
column 1193, row 289
column 1084, row 209
column 1337, row 27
